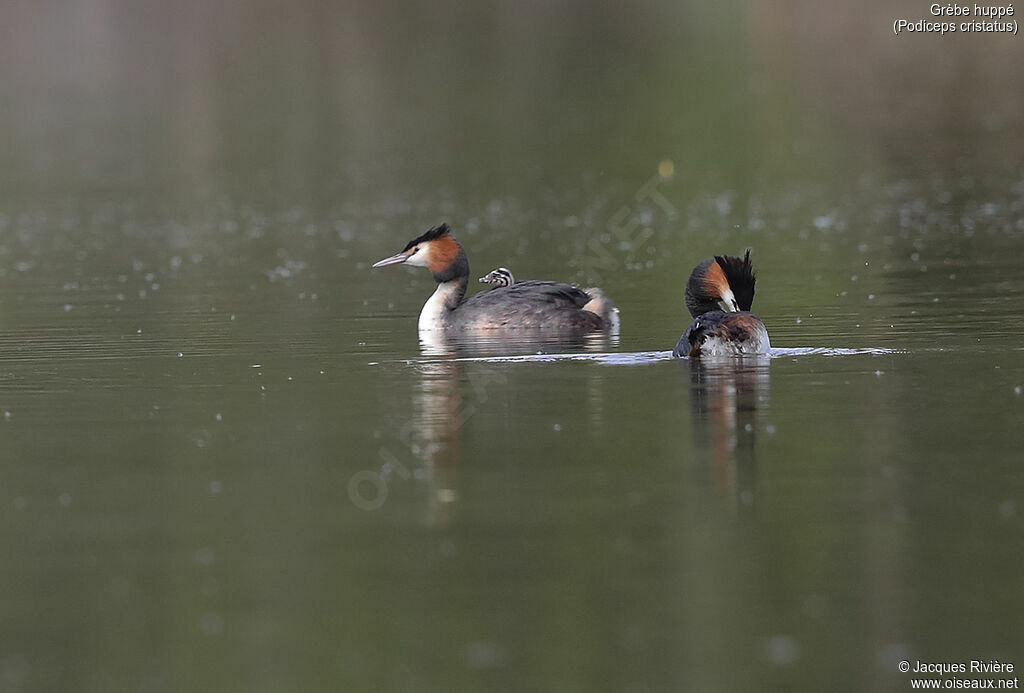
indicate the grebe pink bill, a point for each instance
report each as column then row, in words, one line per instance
column 545, row 306
column 719, row 294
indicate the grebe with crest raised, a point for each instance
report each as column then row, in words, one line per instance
column 498, row 277
column 719, row 295
column 544, row 305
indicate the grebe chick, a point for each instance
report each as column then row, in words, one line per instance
column 719, row 294
column 499, row 277
column 551, row 306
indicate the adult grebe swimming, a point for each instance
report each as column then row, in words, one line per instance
column 551, row 306
column 498, row 277
column 719, row 294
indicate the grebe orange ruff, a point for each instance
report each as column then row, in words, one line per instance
column 719, row 294
column 549, row 306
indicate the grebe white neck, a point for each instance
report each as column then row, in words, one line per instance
column 444, row 300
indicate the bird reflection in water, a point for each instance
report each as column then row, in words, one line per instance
column 726, row 395
column 439, row 344
column 448, row 393
column 433, row 434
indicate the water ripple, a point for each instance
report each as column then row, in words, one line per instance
column 642, row 357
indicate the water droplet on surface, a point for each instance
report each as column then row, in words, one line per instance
column 814, row 605
column 446, row 547
column 212, row 623
column 782, row 650
column 892, row 654
column 484, row 655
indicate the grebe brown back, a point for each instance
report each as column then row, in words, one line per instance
column 498, row 277
column 551, row 306
column 719, row 295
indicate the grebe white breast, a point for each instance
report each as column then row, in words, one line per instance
column 546, row 305
column 719, row 295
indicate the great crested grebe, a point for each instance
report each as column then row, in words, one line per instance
column 498, row 277
column 719, row 294
column 551, row 306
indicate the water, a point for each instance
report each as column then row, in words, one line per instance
column 229, row 463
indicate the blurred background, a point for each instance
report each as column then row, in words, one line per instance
column 196, row 361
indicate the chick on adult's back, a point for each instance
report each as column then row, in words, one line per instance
column 498, row 277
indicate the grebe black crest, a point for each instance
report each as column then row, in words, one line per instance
column 498, row 277
column 719, row 295
column 552, row 306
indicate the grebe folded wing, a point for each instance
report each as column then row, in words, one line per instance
column 531, row 303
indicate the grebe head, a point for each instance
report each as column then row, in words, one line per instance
column 723, row 282
column 498, row 277
column 437, row 251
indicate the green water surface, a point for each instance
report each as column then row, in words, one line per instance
column 227, row 464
